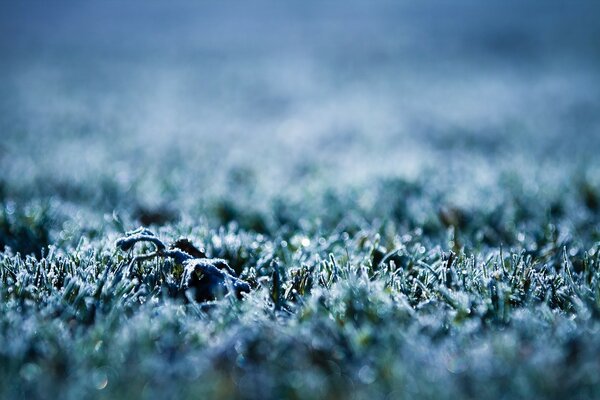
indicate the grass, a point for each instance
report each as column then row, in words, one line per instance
column 349, row 298
column 407, row 197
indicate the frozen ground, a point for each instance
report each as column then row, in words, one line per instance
column 268, row 131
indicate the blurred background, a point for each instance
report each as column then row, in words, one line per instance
column 109, row 103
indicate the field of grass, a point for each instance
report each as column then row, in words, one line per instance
column 416, row 212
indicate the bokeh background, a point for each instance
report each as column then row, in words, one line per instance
column 155, row 106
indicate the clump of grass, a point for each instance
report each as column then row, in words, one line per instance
column 202, row 278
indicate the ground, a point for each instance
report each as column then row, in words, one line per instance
column 411, row 192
